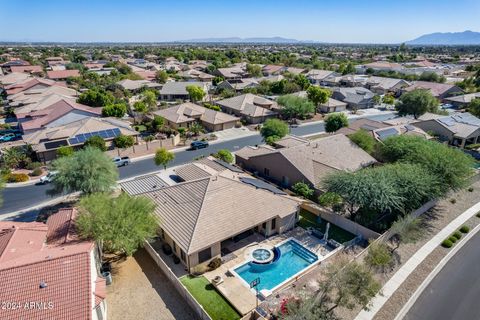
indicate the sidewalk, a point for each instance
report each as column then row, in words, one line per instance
column 409, row 267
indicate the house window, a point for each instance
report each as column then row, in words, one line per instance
column 274, row 223
column 182, row 255
column 264, row 225
column 266, row 172
column 204, row 255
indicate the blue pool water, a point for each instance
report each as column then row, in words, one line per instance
column 293, row 258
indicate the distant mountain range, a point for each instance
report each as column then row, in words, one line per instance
column 448, row 38
column 245, row 40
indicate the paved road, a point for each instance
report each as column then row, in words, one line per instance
column 454, row 293
column 20, row 198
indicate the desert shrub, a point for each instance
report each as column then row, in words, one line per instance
column 453, row 239
column 447, row 243
column 215, row 263
column 453, row 201
column 33, row 165
column 464, row 229
column 470, row 189
column 457, row 235
column 36, row 172
column 17, row 177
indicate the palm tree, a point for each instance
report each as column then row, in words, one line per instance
column 196, row 128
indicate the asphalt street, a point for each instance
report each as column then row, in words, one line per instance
column 21, row 198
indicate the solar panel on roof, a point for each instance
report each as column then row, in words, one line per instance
column 103, row 134
column 447, row 121
column 116, row 132
column 55, row 144
column 262, row 185
column 384, row 134
column 73, row 141
column 81, row 138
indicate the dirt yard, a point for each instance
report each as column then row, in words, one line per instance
column 141, row 291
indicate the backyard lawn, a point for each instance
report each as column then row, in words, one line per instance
column 207, row 296
column 308, row 219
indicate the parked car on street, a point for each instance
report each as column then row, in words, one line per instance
column 8, row 137
column 48, row 178
column 198, row 145
column 121, row 161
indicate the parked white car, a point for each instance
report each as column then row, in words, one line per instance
column 49, row 177
column 121, row 161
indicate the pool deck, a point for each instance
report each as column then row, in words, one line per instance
column 234, row 289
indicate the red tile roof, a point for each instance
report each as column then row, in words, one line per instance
column 62, row 74
column 19, row 87
column 57, row 273
column 146, row 75
column 26, row 69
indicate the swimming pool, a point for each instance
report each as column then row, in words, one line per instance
column 291, row 258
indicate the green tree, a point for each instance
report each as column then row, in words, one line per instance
column 217, row 80
column 407, row 229
column 65, row 151
column 416, row 103
column 254, row 70
column 388, row 99
column 335, row 121
column 196, row 128
column 474, row 107
column 318, row 95
column 163, row 157
column 88, row 170
column 150, row 99
column 196, row 93
column 224, row 155
column 119, row 224
column 376, row 99
column 329, row 199
column 96, row 98
column 364, row 140
column 96, row 142
column 161, row 76
column 295, row 107
column 140, row 107
column 123, row 141
column 379, row 257
column 117, row 110
column 302, row 81
column 14, row 157
column 349, row 69
column 303, row 189
column 157, row 123
column 274, row 129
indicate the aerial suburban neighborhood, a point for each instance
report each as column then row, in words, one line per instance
column 183, row 165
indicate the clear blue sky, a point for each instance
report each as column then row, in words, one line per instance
column 360, row 21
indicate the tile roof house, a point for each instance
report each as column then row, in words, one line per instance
column 307, row 162
column 252, row 108
column 438, row 90
column 45, row 142
column 62, row 74
column 59, row 113
column 458, row 129
column 185, row 114
column 172, row 91
column 27, row 69
column 332, row 105
column 146, row 74
column 196, row 216
column 135, row 85
column 231, row 73
column 14, row 77
column 355, row 98
column 48, row 264
column 316, row 76
column 29, row 84
column 272, row 69
column 381, row 66
column 194, row 74
column 463, row 100
column 382, row 85
column 33, row 96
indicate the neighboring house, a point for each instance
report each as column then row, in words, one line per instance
column 331, row 105
column 355, row 98
column 32, row 96
column 460, row 129
column 62, row 74
column 50, row 271
column 60, row 113
column 45, row 142
column 380, row 66
column 196, row 75
column 199, row 216
column 363, row 124
column 14, row 77
column 295, row 71
column 13, row 63
column 53, row 61
column 438, row 90
column 252, row 108
column 185, row 114
column 307, row 161
column 239, row 85
column 272, row 69
column 381, row 85
column 146, row 74
column 172, row 91
column 318, row 77
column 462, row 101
column 27, row 69
column 136, row 85
column 31, row 84
column 232, row 73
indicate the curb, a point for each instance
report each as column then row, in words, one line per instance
column 22, row 184
column 407, row 306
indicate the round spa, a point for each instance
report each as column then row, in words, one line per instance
column 262, row 255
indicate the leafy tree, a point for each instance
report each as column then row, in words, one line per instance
column 117, row 110
column 379, row 256
column 96, row 98
column 329, row 199
column 150, row 99
column 196, row 93
column 224, row 155
column 295, row 107
column 96, row 142
column 364, row 140
column 254, row 70
column 163, row 157
column 140, row 107
column 302, row 81
column 303, row 189
column 157, row 123
column 217, row 80
column 65, row 151
column 123, row 141
column 388, row 99
column 318, row 95
column 474, row 107
column 432, row 77
column 14, row 157
column 349, row 69
column 335, row 121
column 407, row 229
column 161, row 76
column 119, row 224
column 273, row 129
column 416, row 103
column 196, row 128
column 88, row 170
column 376, row 99
column 450, row 166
